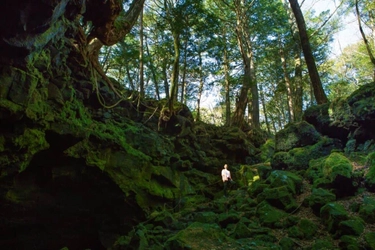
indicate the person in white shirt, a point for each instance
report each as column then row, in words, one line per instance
column 226, row 177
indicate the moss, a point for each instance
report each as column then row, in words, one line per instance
column 337, row 164
column 370, row 240
column 248, row 174
column 197, row 236
column 370, row 176
column 354, row 226
column 267, row 150
column 31, row 141
column 296, row 135
column 341, row 114
column 320, row 244
column 318, row 198
column 367, row 210
column 279, row 178
column 332, row 214
column 11, row 107
column 268, row 215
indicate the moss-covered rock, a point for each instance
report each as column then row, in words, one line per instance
column 353, row 226
column 370, row 175
column 318, row 198
column 332, row 214
column 278, row 178
column 320, row 244
column 197, row 236
column 370, row 240
column 279, row 197
column 299, row 158
column 267, row 150
column 270, row 216
column 334, row 172
column 296, row 135
column 206, row 217
column 349, row 242
column 287, row 243
column 367, row 210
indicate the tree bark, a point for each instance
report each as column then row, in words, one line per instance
column 319, row 94
column 141, row 66
column 288, row 83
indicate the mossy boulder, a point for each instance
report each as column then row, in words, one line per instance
column 353, row 226
column 367, row 210
column 349, row 242
column 270, row 216
column 305, row 229
column 197, row 236
column 279, row 178
column 333, row 172
column 370, row 240
column 267, row 150
column 287, row 243
column 256, row 188
column 362, row 102
column 332, row 214
column 279, row 197
column 335, row 165
column 370, row 175
column 225, row 219
column 320, row 117
column 318, row 198
column 320, row 244
column 205, row 217
column 296, row 135
column 241, row 231
column 299, row 158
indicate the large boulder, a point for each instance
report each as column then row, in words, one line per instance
column 332, row 214
column 299, row 158
column 296, row 135
column 333, row 172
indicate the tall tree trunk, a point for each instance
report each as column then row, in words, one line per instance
column 244, row 44
column 226, row 86
column 183, row 78
column 367, row 44
column 175, row 72
column 200, row 88
column 141, row 66
column 153, row 73
column 297, row 88
column 254, row 96
column 288, row 83
column 319, row 94
column 263, row 101
column 165, row 77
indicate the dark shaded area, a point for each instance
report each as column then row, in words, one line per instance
column 59, row 201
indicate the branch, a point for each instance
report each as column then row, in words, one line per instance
column 326, row 21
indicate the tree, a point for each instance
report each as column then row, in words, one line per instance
column 369, row 47
column 316, row 83
column 109, row 26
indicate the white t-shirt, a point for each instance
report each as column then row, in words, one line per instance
column 225, row 174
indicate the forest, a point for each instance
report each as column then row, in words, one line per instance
column 117, row 118
column 247, row 57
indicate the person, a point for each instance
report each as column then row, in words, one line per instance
column 226, row 177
